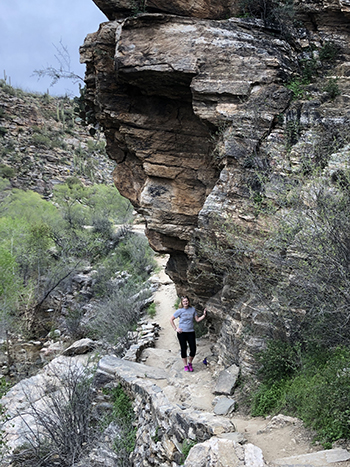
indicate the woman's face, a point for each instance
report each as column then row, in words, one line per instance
column 185, row 302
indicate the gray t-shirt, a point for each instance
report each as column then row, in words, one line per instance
column 186, row 316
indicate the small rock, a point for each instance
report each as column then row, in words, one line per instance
column 224, row 406
column 80, row 347
column 227, row 380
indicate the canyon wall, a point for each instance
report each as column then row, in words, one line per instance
column 203, row 128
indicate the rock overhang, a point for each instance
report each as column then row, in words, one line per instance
column 175, row 81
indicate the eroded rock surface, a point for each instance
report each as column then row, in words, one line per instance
column 201, row 124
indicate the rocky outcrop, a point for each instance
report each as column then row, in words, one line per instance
column 200, row 123
column 162, row 105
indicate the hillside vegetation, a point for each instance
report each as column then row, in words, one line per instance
column 66, row 244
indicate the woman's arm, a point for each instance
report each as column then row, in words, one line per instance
column 202, row 317
column 179, row 330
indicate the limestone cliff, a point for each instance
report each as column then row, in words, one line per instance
column 194, row 106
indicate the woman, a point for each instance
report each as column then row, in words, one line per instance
column 185, row 330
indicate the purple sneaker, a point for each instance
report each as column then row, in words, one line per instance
column 190, row 368
column 186, row 368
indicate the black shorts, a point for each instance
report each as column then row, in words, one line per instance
column 189, row 337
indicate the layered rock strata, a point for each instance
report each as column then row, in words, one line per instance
column 195, row 111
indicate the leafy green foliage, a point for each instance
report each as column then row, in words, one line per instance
column 124, row 416
column 6, row 172
column 151, row 310
column 268, row 10
column 329, row 52
column 42, row 244
column 280, row 360
column 3, row 131
column 87, row 205
column 317, row 391
column 297, row 88
column 332, row 88
column 187, row 445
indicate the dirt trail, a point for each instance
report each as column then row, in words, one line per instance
column 276, row 440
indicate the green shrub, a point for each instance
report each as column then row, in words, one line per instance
column 329, row 52
column 332, row 88
column 280, row 13
column 279, row 360
column 7, row 88
column 309, row 69
column 317, row 391
column 6, row 172
column 187, row 445
column 151, row 310
column 123, row 415
column 41, row 140
column 269, row 399
column 296, row 86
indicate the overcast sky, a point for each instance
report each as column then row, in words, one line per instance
column 29, row 32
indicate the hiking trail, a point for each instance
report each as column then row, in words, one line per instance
column 276, row 438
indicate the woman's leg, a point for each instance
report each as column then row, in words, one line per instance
column 191, row 338
column 183, row 345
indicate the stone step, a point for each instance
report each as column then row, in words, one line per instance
column 325, row 458
column 125, row 369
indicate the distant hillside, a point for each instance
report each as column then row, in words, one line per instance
column 42, row 142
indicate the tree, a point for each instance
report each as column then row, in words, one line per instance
column 64, row 67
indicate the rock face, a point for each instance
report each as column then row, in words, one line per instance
column 196, row 113
column 214, row 9
column 174, row 86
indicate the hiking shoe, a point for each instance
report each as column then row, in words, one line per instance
column 190, row 367
column 186, row 368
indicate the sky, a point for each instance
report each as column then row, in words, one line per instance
column 29, row 32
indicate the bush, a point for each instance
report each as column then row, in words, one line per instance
column 151, row 310
column 279, row 360
column 120, row 311
column 187, row 445
column 269, row 399
column 268, row 10
column 329, row 52
column 6, row 172
column 41, row 141
column 123, row 415
column 63, row 421
column 318, row 393
column 332, row 88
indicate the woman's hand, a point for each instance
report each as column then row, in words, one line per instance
column 179, row 330
column 198, row 320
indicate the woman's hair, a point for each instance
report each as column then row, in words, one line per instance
column 185, row 296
